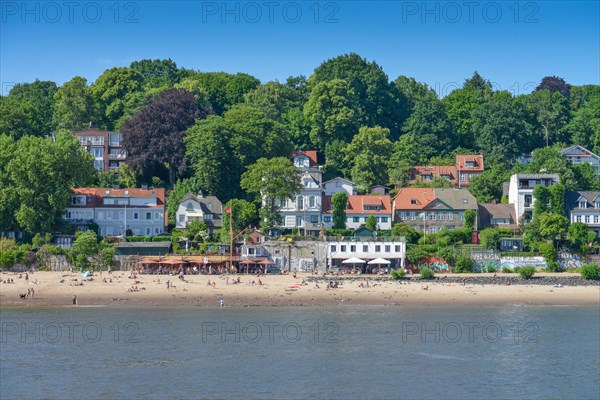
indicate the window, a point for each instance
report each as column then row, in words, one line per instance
column 441, row 215
column 121, row 215
column 333, row 248
column 413, row 201
column 100, row 215
column 461, row 215
column 148, row 231
column 148, row 215
column 311, row 201
column 314, row 219
column 578, row 218
column 527, row 199
column 597, row 203
column 327, row 218
column 403, row 215
column 208, row 217
column 77, row 200
column 397, row 248
column 299, row 221
column 365, row 248
column 432, row 229
column 387, row 248
column 367, row 207
column 97, row 152
column 596, row 219
column 190, row 207
column 432, row 216
column 353, row 248
column 384, row 219
column 412, row 215
column 450, row 216
column 462, row 177
column 338, row 184
column 98, row 165
column 156, row 231
column 587, row 219
column 156, row 215
column 136, row 215
column 300, row 202
column 343, row 248
column 377, row 248
column 582, row 204
column 424, row 216
column 355, row 219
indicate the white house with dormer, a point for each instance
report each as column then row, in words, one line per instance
column 206, row 209
column 304, row 212
column 580, row 155
column 584, row 207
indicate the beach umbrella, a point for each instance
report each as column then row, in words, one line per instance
column 379, row 261
column 353, row 260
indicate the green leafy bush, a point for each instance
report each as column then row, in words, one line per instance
column 463, row 264
column 590, row 271
column 398, row 273
column 554, row 266
column 506, row 270
column 427, row 273
column 491, row 268
column 526, row 272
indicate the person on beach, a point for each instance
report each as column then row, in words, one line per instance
column 74, row 300
column 222, row 302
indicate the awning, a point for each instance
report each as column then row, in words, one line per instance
column 353, row 260
column 266, row 262
column 379, row 261
column 247, row 261
column 173, row 262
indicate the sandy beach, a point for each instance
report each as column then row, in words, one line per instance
column 58, row 289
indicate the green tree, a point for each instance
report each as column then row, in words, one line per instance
column 9, row 199
column 340, row 202
column 584, row 127
column 551, row 111
column 429, row 127
column 330, row 113
column 463, row 263
column 244, row 215
column 488, row 185
column 42, row 193
column 552, row 225
column 37, row 98
column 406, row 231
column 273, row 181
column 14, row 121
column 334, row 160
column 499, row 130
column 114, row 94
column 157, row 73
column 180, row 189
column 412, row 90
column 541, row 194
column 490, row 238
column 371, row 223
column 84, row 247
column 558, row 193
column 376, row 101
column 470, row 216
column 368, row 155
column 580, row 237
column 73, row 107
column 216, row 171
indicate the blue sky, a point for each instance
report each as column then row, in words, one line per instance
column 513, row 44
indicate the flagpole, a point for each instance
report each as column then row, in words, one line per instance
column 230, row 235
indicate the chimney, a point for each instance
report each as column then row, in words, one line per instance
column 116, row 186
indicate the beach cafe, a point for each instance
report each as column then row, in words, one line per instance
column 209, row 264
column 366, row 256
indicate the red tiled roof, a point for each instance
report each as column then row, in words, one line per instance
column 462, row 159
column 312, row 154
column 96, row 194
column 434, row 171
column 420, row 196
column 357, row 203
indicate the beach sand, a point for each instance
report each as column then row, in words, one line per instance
column 276, row 290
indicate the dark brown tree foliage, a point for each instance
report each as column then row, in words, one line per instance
column 154, row 134
column 555, row 84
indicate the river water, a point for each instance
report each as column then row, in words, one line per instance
column 510, row 352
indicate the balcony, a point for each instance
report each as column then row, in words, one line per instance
column 117, row 156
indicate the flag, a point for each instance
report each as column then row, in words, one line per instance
column 422, row 215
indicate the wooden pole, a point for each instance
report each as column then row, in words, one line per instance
column 230, row 234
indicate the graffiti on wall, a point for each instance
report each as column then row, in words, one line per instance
column 569, row 260
column 434, row 263
column 483, row 265
column 513, row 262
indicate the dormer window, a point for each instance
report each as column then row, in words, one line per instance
column 378, row 208
column 367, row 208
column 597, row 203
column 77, row 200
column 190, row 207
column 126, row 192
column 413, row 201
column 470, row 164
column 582, row 203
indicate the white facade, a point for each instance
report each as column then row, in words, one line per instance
column 584, row 207
column 354, row 221
column 520, row 192
column 338, row 185
column 367, row 250
column 304, row 212
column 206, row 209
column 116, row 211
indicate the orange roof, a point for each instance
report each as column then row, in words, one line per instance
column 356, row 204
column 434, row 171
column 312, row 154
column 462, row 159
column 413, row 198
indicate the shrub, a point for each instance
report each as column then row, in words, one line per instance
column 427, row 273
column 137, row 238
column 548, row 251
column 526, row 272
column 554, row 266
column 491, row 268
column 506, row 270
column 590, row 271
column 463, row 264
column 517, row 269
column 398, row 273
